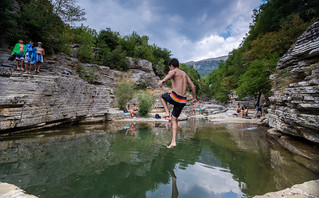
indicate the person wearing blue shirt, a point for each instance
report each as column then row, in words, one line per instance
column 29, row 55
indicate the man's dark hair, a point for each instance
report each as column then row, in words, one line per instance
column 173, row 62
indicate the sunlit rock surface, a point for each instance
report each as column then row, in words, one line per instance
column 306, row 190
column 11, row 191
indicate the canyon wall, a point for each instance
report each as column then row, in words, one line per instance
column 295, row 101
column 58, row 95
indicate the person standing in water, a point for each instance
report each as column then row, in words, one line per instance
column 177, row 97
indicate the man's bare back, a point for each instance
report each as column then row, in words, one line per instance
column 179, row 82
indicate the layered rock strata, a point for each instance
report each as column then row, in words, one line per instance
column 58, row 95
column 295, row 101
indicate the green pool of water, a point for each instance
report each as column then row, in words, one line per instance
column 122, row 160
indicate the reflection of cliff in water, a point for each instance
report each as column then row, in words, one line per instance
column 75, row 154
column 97, row 160
column 254, row 162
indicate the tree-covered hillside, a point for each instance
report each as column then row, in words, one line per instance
column 49, row 21
column 276, row 26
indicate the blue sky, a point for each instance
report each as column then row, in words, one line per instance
column 191, row 29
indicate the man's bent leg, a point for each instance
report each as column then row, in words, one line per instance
column 164, row 103
column 174, row 132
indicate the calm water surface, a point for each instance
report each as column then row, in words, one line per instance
column 127, row 160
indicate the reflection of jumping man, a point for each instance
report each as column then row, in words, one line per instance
column 174, row 186
column 177, row 97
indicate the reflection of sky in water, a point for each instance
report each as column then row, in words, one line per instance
column 201, row 180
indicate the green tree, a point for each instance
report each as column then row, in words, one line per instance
column 123, row 93
column 161, row 58
column 68, row 10
column 108, row 38
column 193, row 75
column 38, row 22
column 85, row 37
column 255, row 80
column 115, row 59
column 145, row 103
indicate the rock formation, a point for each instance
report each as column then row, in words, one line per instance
column 295, row 101
column 57, row 95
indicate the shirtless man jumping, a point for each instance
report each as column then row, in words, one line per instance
column 177, row 97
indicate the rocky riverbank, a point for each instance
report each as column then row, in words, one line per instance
column 305, row 190
column 12, row 191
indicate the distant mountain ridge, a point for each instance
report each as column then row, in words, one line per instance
column 206, row 66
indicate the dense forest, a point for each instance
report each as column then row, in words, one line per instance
column 275, row 27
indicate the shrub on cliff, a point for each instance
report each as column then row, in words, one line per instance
column 87, row 74
column 115, row 59
column 145, row 103
column 123, row 93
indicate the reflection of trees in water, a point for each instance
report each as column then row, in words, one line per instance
column 95, row 161
column 105, row 161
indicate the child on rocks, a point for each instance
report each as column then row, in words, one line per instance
column 29, row 58
column 38, row 57
column 19, row 51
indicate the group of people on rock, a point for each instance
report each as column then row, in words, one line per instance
column 199, row 110
column 243, row 111
column 128, row 111
column 28, row 55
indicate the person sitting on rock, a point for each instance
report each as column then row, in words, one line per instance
column 19, row 52
column 245, row 112
column 127, row 111
column 134, row 110
column 238, row 109
column 242, row 112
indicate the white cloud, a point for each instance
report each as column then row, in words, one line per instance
column 214, row 180
column 189, row 35
column 208, row 47
column 111, row 14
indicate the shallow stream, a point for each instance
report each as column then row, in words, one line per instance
column 127, row 160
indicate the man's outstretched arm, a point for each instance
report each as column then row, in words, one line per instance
column 167, row 77
column 191, row 84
